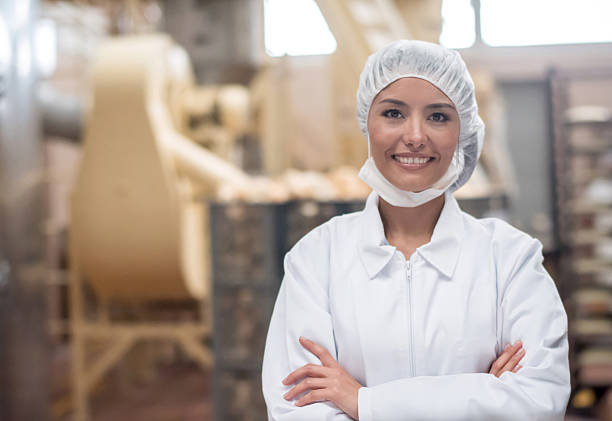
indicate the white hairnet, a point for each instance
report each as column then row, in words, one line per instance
column 443, row 68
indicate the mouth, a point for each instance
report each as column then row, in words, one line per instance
column 412, row 161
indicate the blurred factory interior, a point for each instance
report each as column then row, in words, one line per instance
column 159, row 157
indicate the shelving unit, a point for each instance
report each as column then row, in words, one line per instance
column 583, row 170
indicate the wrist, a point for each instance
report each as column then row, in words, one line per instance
column 364, row 404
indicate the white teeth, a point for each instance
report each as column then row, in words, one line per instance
column 410, row 160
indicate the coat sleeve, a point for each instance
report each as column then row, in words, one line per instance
column 301, row 309
column 530, row 310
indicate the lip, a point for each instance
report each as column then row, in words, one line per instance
column 411, row 155
column 412, row 166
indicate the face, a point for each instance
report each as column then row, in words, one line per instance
column 414, row 129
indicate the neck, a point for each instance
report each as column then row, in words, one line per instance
column 410, row 223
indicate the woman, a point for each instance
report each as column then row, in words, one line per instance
column 397, row 312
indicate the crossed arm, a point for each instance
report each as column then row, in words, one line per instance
column 331, row 382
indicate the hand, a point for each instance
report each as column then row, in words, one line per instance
column 509, row 359
column 329, row 382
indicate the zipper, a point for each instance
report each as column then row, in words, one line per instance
column 410, row 316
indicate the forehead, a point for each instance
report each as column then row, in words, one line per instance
column 412, row 90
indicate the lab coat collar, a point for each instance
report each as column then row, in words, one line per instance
column 442, row 251
column 445, row 246
column 373, row 248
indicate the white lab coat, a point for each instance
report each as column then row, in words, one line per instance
column 421, row 334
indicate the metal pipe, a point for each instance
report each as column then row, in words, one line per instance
column 24, row 359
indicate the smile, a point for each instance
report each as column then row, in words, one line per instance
column 412, row 161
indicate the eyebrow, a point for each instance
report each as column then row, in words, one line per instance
column 402, row 103
column 441, row 105
column 393, row 101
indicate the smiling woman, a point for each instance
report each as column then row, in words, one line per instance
column 413, row 128
column 385, row 313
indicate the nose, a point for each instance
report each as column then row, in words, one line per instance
column 413, row 135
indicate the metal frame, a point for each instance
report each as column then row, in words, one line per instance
column 120, row 338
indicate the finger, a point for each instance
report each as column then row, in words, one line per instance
column 499, row 364
column 517, row 368
column 318, row 395
column 309, row 370
column 513, row 362
column 309, row 383
column 322, row 354
column 501, row 361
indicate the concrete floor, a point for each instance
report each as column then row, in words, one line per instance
column 180, row 391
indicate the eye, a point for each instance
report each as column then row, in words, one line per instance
column 393, row 113
column 439, row 117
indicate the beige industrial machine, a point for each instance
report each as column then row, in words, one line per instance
column 362, row 27
column 138, row 233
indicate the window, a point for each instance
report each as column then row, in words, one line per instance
column 528, row 22
column 295, row 28
column 458, row 27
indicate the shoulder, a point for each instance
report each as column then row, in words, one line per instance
column 314, row 248
column 507, row 244
column 500, row 233
column 509, row 240
column 322, row 237
column 514, row 252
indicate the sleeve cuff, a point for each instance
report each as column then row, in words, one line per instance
column 364, row 404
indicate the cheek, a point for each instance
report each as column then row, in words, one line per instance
column 448, row 143
column 382, row 135
column 447, row 155
column 450, row 147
